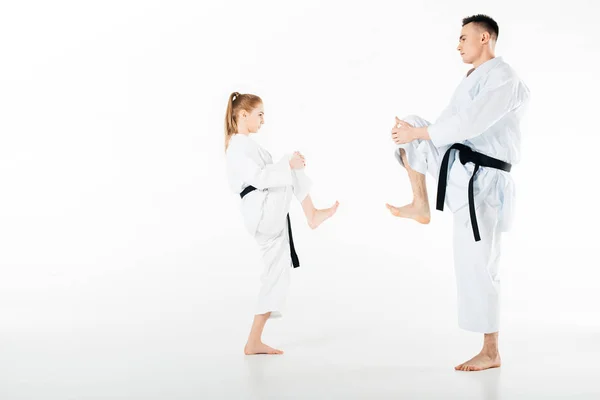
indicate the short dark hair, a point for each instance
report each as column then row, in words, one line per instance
column 485, row 22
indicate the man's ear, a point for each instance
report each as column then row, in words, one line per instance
column 485, row 37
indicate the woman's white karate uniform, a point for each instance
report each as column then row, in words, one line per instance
column 484, row 114
column 265, row 212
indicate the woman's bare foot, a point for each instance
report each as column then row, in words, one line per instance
column 319, row 216
column 260, row 348
column 480, row 362
column 417, row 211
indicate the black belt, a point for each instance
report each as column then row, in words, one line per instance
column 295, row 261
column 480, row 160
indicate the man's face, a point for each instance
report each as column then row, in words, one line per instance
column 471, row 42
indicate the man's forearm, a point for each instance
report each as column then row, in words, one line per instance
column 421, row 133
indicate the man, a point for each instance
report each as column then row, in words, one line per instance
column 470, row 150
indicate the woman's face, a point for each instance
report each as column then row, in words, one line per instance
column 255, row 119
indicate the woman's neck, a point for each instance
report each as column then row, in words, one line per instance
column 243, row 130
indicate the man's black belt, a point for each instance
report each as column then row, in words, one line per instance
column 466, row 154
column 295, row 261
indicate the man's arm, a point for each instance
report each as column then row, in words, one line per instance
column 490, row 105
column 421, row 133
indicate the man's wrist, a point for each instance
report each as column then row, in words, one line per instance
column 420, row 133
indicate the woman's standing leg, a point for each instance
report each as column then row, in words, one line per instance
column 273, row 241
column 255, row 344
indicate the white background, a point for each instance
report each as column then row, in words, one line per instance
column 125, row 270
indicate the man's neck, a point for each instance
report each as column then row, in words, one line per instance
column 483, row 59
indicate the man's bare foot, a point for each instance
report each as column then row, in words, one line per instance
column 480, row 362
column 260, row 348
column 319, row 216
column 417, row 211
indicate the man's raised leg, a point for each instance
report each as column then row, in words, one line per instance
column 419, row 208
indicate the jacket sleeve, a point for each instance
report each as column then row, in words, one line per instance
column 271, row 175
column 488, row 107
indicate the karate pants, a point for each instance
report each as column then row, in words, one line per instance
column 476, row 264
column 272, row 238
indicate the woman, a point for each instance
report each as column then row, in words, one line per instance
column 266, row 189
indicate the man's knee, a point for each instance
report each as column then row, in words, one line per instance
column 415, row 121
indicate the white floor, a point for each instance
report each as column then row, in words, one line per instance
column 362, row 322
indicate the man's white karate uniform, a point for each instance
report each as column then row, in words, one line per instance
column 484, row 114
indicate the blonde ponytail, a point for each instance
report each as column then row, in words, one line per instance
column 230, row 123
column 235, row 104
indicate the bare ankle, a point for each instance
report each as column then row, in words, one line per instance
column 490, row 351
column 420, row 202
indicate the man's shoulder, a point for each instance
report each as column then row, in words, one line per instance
column 504, row 72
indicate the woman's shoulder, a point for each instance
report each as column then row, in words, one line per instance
column 240, row 145
column 236, row 142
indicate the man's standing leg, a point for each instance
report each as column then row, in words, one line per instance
column 478, row 282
